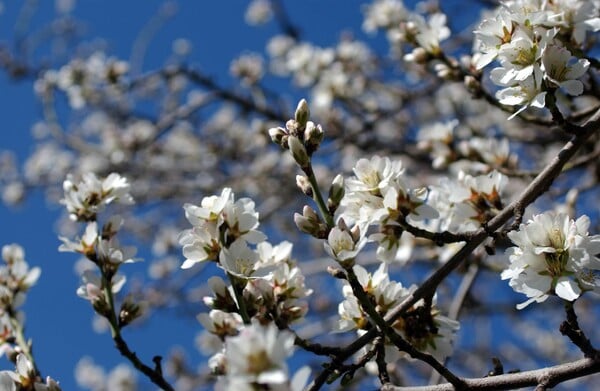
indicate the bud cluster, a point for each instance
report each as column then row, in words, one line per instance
column 300, row 136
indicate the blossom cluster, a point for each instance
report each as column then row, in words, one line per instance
column 536, row 44
column 403, row 26
column 83, row 79
column 338, row 72
column 16, row 278
column 89, row 196
column 264, row 286
column 540, row 52
column 422, row 326
column 84, row 200
column 447, row 148
column 467, row 202
column 378, row 195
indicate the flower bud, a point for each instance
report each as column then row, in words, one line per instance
column 304, row 185
column 277, row 134
column 98, row 300
column 313, row 135
column 292, row 127
column 336, row 192
column 303, row 224
column 302, row 113
column 308, row 222
column 299, row 152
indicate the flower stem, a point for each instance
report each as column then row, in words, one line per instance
column 238, row 290
column 318, row 197
column 19, row 334
column 155, row 375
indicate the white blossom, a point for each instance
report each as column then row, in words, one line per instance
column 554, row 255
column 257, row 355
column 85, row 199
column 563, row 70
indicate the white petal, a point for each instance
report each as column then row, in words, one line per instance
column 572, row 87
column 188, row 263
column 567, row 289
column 300, row 378
column 539, row 100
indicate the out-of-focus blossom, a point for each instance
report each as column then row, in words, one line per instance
column 86, row 198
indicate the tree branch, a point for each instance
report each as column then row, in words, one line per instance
column 536, row 188
column 547, row 377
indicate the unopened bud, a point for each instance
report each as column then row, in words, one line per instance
column 302, row 113
column 308, row 222
column 310, row 213
column 304, row 185
column 336, row 191
column 304, row 224
column 299, row 152
column 336, row 272
column 292, row 127
column 313, row 135
column 277, row 135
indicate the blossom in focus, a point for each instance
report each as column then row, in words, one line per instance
column 554, row 255
column 468, row 201
column 563, row 70
column 344, row 244
column 530, row 39
column 241, row 261
column 526, row 93
column 217, row 223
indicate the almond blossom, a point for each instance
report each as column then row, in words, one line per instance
column 217, row 223
column 257, row 355
column 563, row 70
column 86, row 198
column 433, row 333
column 554, row 255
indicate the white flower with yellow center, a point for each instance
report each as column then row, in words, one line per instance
column 555, row 255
